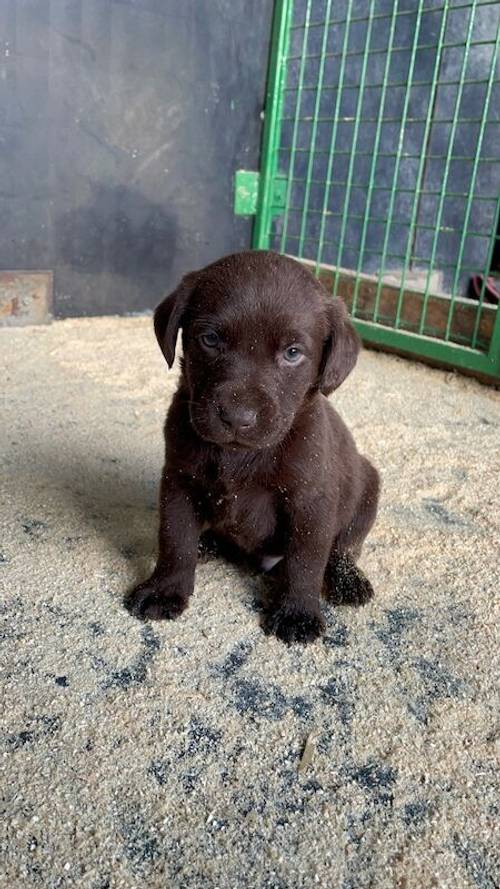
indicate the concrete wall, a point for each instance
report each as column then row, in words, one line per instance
column 122, row 123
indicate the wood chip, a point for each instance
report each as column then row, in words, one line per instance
column 308, row 752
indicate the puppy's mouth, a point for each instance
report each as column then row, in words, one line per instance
column 235, row 443
column 266, row 429
column 226, row 438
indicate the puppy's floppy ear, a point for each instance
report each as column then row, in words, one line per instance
column 341, row 348
column 168, row 316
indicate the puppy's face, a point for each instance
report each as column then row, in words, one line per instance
column 259, row 336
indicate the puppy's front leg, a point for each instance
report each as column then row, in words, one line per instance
column 298, row 617
column 165, row 594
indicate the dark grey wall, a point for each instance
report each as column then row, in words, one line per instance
column 122, row 123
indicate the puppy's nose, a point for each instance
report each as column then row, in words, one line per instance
column 238, row 418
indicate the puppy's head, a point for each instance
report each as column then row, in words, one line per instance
column 260, row 335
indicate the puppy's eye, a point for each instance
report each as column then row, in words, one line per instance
column 293, row 354
column 210, row 340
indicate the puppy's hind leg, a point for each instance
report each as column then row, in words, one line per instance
column 345, row 583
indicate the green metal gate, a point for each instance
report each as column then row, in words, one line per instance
column 381, row 166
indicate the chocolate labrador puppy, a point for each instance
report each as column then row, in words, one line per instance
column 254, row 450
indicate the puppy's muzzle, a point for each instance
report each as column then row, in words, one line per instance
column 237, row 418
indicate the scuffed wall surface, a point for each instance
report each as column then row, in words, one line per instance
column 122, row 126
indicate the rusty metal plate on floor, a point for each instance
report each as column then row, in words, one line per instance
column 25, row 298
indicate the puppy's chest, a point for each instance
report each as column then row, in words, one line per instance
column 242, row 509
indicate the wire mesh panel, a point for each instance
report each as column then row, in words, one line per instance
column 383, row 128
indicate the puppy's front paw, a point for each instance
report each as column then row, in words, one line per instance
column 291, row 625
column 150, row 601
column 346, row 584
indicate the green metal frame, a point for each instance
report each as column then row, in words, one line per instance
column 475, row 355
column 272, row 121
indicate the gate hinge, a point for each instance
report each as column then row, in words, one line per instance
column 246, row 193
column 278, row 195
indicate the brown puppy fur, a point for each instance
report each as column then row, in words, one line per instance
column 254, row 449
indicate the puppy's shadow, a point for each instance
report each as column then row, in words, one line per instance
column 94, row 494
column 117, row 500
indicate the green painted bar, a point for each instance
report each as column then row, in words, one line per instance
column 359, row 52
column 276, row 82
column 401, row 12
column 331, row 152
column 355, row 134
column 402, row 190
column 491, row 248
column 477, row 160
column 441, row 120
column 420, row 259
column 451, row 142
column 422, row 163
column 316, row 119
column 402, row 83
column 371, row 183
column 415, row 344
column 398, row 155
column 418, row 225
column 494, row 350
column 298, row 102
column 438, row 157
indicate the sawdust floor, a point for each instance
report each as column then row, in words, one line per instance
column 167, row 755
